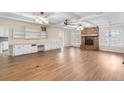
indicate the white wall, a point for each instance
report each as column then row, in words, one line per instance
column 53, row 33
column 58, row 33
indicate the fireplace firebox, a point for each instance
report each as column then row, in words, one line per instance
column 88, row 41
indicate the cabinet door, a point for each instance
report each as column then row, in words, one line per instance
column 76, row 38
column 47, row 47
column 27, row 49
column 5, row 45
column 18, row 50
column 34, row 49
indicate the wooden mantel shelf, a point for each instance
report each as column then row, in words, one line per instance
column 90, row 35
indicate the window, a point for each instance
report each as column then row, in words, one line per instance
column 111, row 39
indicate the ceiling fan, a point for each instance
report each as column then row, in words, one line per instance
column 78, row 26
column 67, row 22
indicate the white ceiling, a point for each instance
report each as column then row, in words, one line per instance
column 57, row 18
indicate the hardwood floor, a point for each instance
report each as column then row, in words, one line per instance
column 71, row 64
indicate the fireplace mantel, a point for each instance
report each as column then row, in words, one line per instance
column 90, row 35
column 89, row 38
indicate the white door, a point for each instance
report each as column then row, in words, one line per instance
column 76, row 38
column 61, row 39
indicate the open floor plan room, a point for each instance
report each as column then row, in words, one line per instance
column 61, row 46
column 71, row 64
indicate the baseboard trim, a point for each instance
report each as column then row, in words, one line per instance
column 112, row 49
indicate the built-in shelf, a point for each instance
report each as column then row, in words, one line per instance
column 32, row 33
column 29, row 34
column 18, row 34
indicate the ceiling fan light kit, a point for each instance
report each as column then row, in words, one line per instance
column 41, row 18
column 80, row 28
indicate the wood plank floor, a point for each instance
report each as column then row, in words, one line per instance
column 71, row 64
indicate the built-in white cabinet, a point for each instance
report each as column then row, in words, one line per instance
column 34, row 34
column 27, row 49
column 47, row 47
column 23, row 49
column 30, row 49
column 3, row 46
column 18, row 50
column 44, row 34
column 29, row 33
column 18, row 34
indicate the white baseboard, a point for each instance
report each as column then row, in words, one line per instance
column 112, row 49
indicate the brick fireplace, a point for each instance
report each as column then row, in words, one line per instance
column 89, row 38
